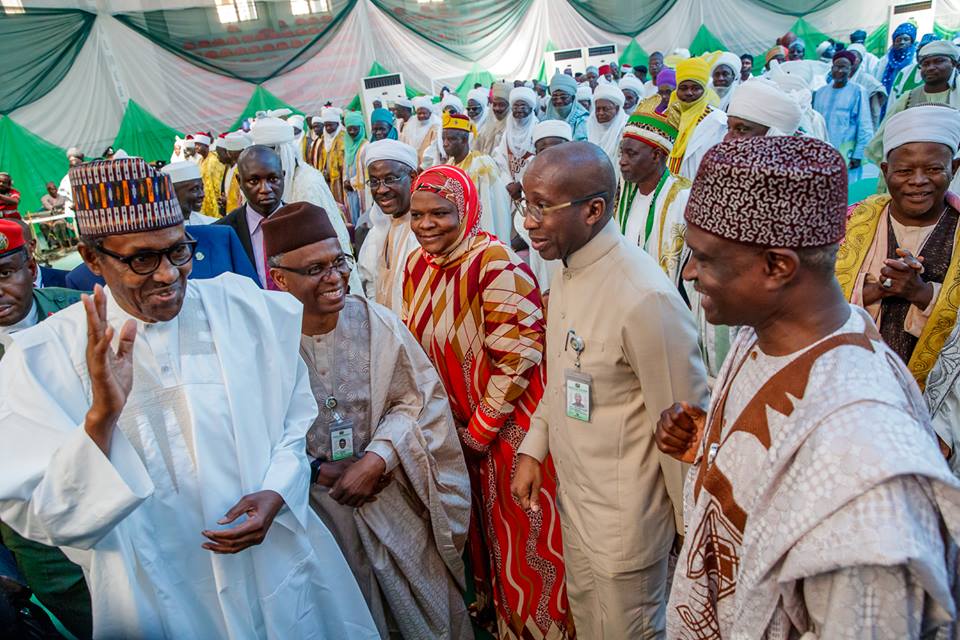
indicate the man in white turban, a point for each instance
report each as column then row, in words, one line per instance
column 301, row 182
column 725, row 77
column 188, row 186
column 607, row 119
column 761, row 108
column 516, row 147
column 490, row 134
column 420, row 130
column 585, row 96
column 433, row 153
column 233, row 143
column 811, row 122
column 477, row 106
column 391, row 168
column 326, row 152
column 633, row 92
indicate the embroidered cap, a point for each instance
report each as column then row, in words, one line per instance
column 11, row 237
column 126, row 195
column 781, row 191
column 651, row 128
column 295, row 225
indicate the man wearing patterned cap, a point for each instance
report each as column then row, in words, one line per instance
column 391, row 167
column 900, row 260
column 624, row 340
column 496, row 216
column 395, row 491
column 799, row 520
column 650, row 197
column 564, row 106
column 489, row 135
column 132, row 441
column 846, row 108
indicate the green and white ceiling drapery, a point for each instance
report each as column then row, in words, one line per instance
column 124, row 87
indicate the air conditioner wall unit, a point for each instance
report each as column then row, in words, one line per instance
column 559, row 61
column 920, row 13
column 386, row 88
column 599, row 55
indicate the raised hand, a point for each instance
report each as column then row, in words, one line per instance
column 111, row 372
column 679, row 431
column 260, row 508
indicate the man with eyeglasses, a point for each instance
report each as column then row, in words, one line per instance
column 391, row 168
column 156, row 434
column 620, row 336
column 56, row 581
column 384, row 439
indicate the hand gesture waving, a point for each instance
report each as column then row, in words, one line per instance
column 111, row 372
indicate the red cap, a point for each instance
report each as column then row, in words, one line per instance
column 11, row 236
column 605, row 69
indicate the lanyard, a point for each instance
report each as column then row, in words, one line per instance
column 651, row 211
column 330, row 401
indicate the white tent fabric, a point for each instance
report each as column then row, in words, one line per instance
column 117, row 63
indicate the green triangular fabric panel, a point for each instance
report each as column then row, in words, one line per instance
column 633, row 54
column 261, row 100
column 143, row 134
column 705, row 41
column 476, row 75
column 877, row 42
column 31, row 161
column 810, row 35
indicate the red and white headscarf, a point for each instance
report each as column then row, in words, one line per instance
column 456, row 186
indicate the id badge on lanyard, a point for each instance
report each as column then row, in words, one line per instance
column 578, row 384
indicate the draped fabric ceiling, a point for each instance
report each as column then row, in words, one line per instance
column 134, row 73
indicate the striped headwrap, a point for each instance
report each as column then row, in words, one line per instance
column 651, row 128
column 114, row 197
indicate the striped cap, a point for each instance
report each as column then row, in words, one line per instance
column 652, row 128
column 115, row 197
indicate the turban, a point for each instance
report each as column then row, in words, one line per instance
column 609, row 92
column 74, row 152
column 391, row 150
column 584, row 92
column 939, row 48
column 592, row 69
column 422, row 102
column 731, row 60
column 552, row 129
column 456, row 186
column 279, row 113
column 777, row 51
column 652, row 129
column 295, row 225
column 523, row 94
column 926, row 123
column 605, row 69
column 381, row 115
column 236, row 141
column 849, row 56
column 905, row 29
column 786, row 192
column 403, row 102
column 11, row 237
column 858, row 36
column 822, row 48
column 480, row 95
column 458, row 122
column 189, row 143
column 667, row 76
column 271, row 131
column 858, row 48
column 450, row 100
column 352, row 119
column 501, row 90
column 201, row 138
column 764, row 102
column 632, row 83
column 182, row 171
column 695, row 69
column 563, row 82
column 329, row 115
column 296, row 120
column 119, row 196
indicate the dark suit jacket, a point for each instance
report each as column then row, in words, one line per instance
column 53, row 277
column 237, row 220
column 219, row 250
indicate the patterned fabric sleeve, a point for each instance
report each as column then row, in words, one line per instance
column 514, row 338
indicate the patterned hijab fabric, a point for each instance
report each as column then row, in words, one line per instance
column 786, row 192
column 456, row 186
column 115, row 197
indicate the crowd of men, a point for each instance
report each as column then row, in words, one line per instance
column 610, row 357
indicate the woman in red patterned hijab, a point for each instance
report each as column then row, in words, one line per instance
column 475, row 307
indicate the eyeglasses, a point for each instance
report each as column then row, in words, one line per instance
column 342, row 265
column 389, row 181
column 535, row 212
column 144, row 263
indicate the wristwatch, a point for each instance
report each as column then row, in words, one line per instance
column 315, row 469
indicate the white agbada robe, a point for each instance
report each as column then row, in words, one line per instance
column 383, row 255
column 219, row 409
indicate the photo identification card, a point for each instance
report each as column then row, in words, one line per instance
column 578, row 395
column 341, row 439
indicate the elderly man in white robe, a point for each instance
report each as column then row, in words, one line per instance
column 188, row 185
column 516, row 146
column 606, row 121
column 725, row 77
column 133, row 442
column 391, row 167
column 420, row 130
column 390, row 480
column 301, row 182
